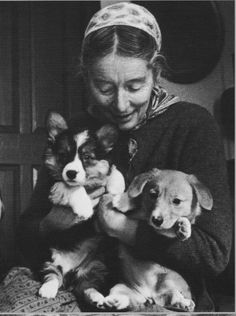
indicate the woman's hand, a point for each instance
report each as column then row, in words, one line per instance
column 96, row 194
column 114, row 223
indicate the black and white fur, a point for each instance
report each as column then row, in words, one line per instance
column 77, row 161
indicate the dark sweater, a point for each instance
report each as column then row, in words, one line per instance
column 185, row 138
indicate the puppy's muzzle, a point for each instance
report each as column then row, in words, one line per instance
column 157, row 221
column 71, row 174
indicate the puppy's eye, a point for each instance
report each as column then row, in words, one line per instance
column 176, row 201
column 153, row 193
column 87, row 157
column 62, row 156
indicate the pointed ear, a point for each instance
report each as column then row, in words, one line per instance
column 138, row 183
column 203, row 194
column 55, row 124
column 107, row 136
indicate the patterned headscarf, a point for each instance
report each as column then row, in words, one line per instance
column 126, row 13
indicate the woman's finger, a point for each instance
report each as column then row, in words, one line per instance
column 97, row 193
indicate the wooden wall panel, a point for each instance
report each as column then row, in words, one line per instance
column 8, row 69
column 40, row 42
column 47, row 27
column 9, row 185
column 77, row 15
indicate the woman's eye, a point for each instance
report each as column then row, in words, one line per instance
column 134, row 88
column 106, row 89
column 176, row 201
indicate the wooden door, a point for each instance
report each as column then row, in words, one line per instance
column 39, row 47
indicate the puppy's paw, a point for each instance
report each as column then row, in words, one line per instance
column 183, row 228
column 185, row 304
column 49, row 289
column 149, row 301
column 83, row 215
column 190, row 305
column 116, row 302
column 121, row 202
column 180, row 302
column 94, row 298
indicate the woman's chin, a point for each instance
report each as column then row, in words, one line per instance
column 125, row 126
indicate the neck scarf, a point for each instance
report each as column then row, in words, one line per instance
column 160, row 101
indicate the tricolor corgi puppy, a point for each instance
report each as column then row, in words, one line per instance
column 79, row 161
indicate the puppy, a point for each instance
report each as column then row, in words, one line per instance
column 77, row 161
column 170, row 201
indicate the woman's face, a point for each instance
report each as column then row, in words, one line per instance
column 120, row 89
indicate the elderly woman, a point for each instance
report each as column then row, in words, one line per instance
column 121, row 63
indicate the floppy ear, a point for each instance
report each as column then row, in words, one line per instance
column 107, row 136
column 203, row 194
column 138, row 183
column 55, row 124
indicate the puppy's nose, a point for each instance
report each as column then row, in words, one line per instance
column 71, row 174
column 157, row 221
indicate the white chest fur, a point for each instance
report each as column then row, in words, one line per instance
column 75, row 197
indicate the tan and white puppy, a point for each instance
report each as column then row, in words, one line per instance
column 170, row 201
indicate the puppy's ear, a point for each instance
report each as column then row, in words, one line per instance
column 107, row 136
column 55, row 124
column 203, row 194
column 138, row 183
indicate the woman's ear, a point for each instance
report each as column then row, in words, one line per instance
column 158, row 65
column 107, row 136
column 55, row 124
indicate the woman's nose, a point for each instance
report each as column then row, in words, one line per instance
column 121, row 103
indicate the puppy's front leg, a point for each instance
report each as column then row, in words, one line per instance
column 123, row 203
column 178, row 300
column 183, row 228
column 93, row 297
column 52, row 281
column 81, row 203
column 119, row 297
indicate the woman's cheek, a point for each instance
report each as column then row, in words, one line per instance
column 101, row 99
column 140, row 97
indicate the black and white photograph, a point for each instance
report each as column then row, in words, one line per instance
column 117, row 153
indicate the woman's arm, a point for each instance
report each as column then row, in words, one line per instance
column 114, row 223
column 208, row 248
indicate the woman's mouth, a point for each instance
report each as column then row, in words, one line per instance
column 123, row 117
